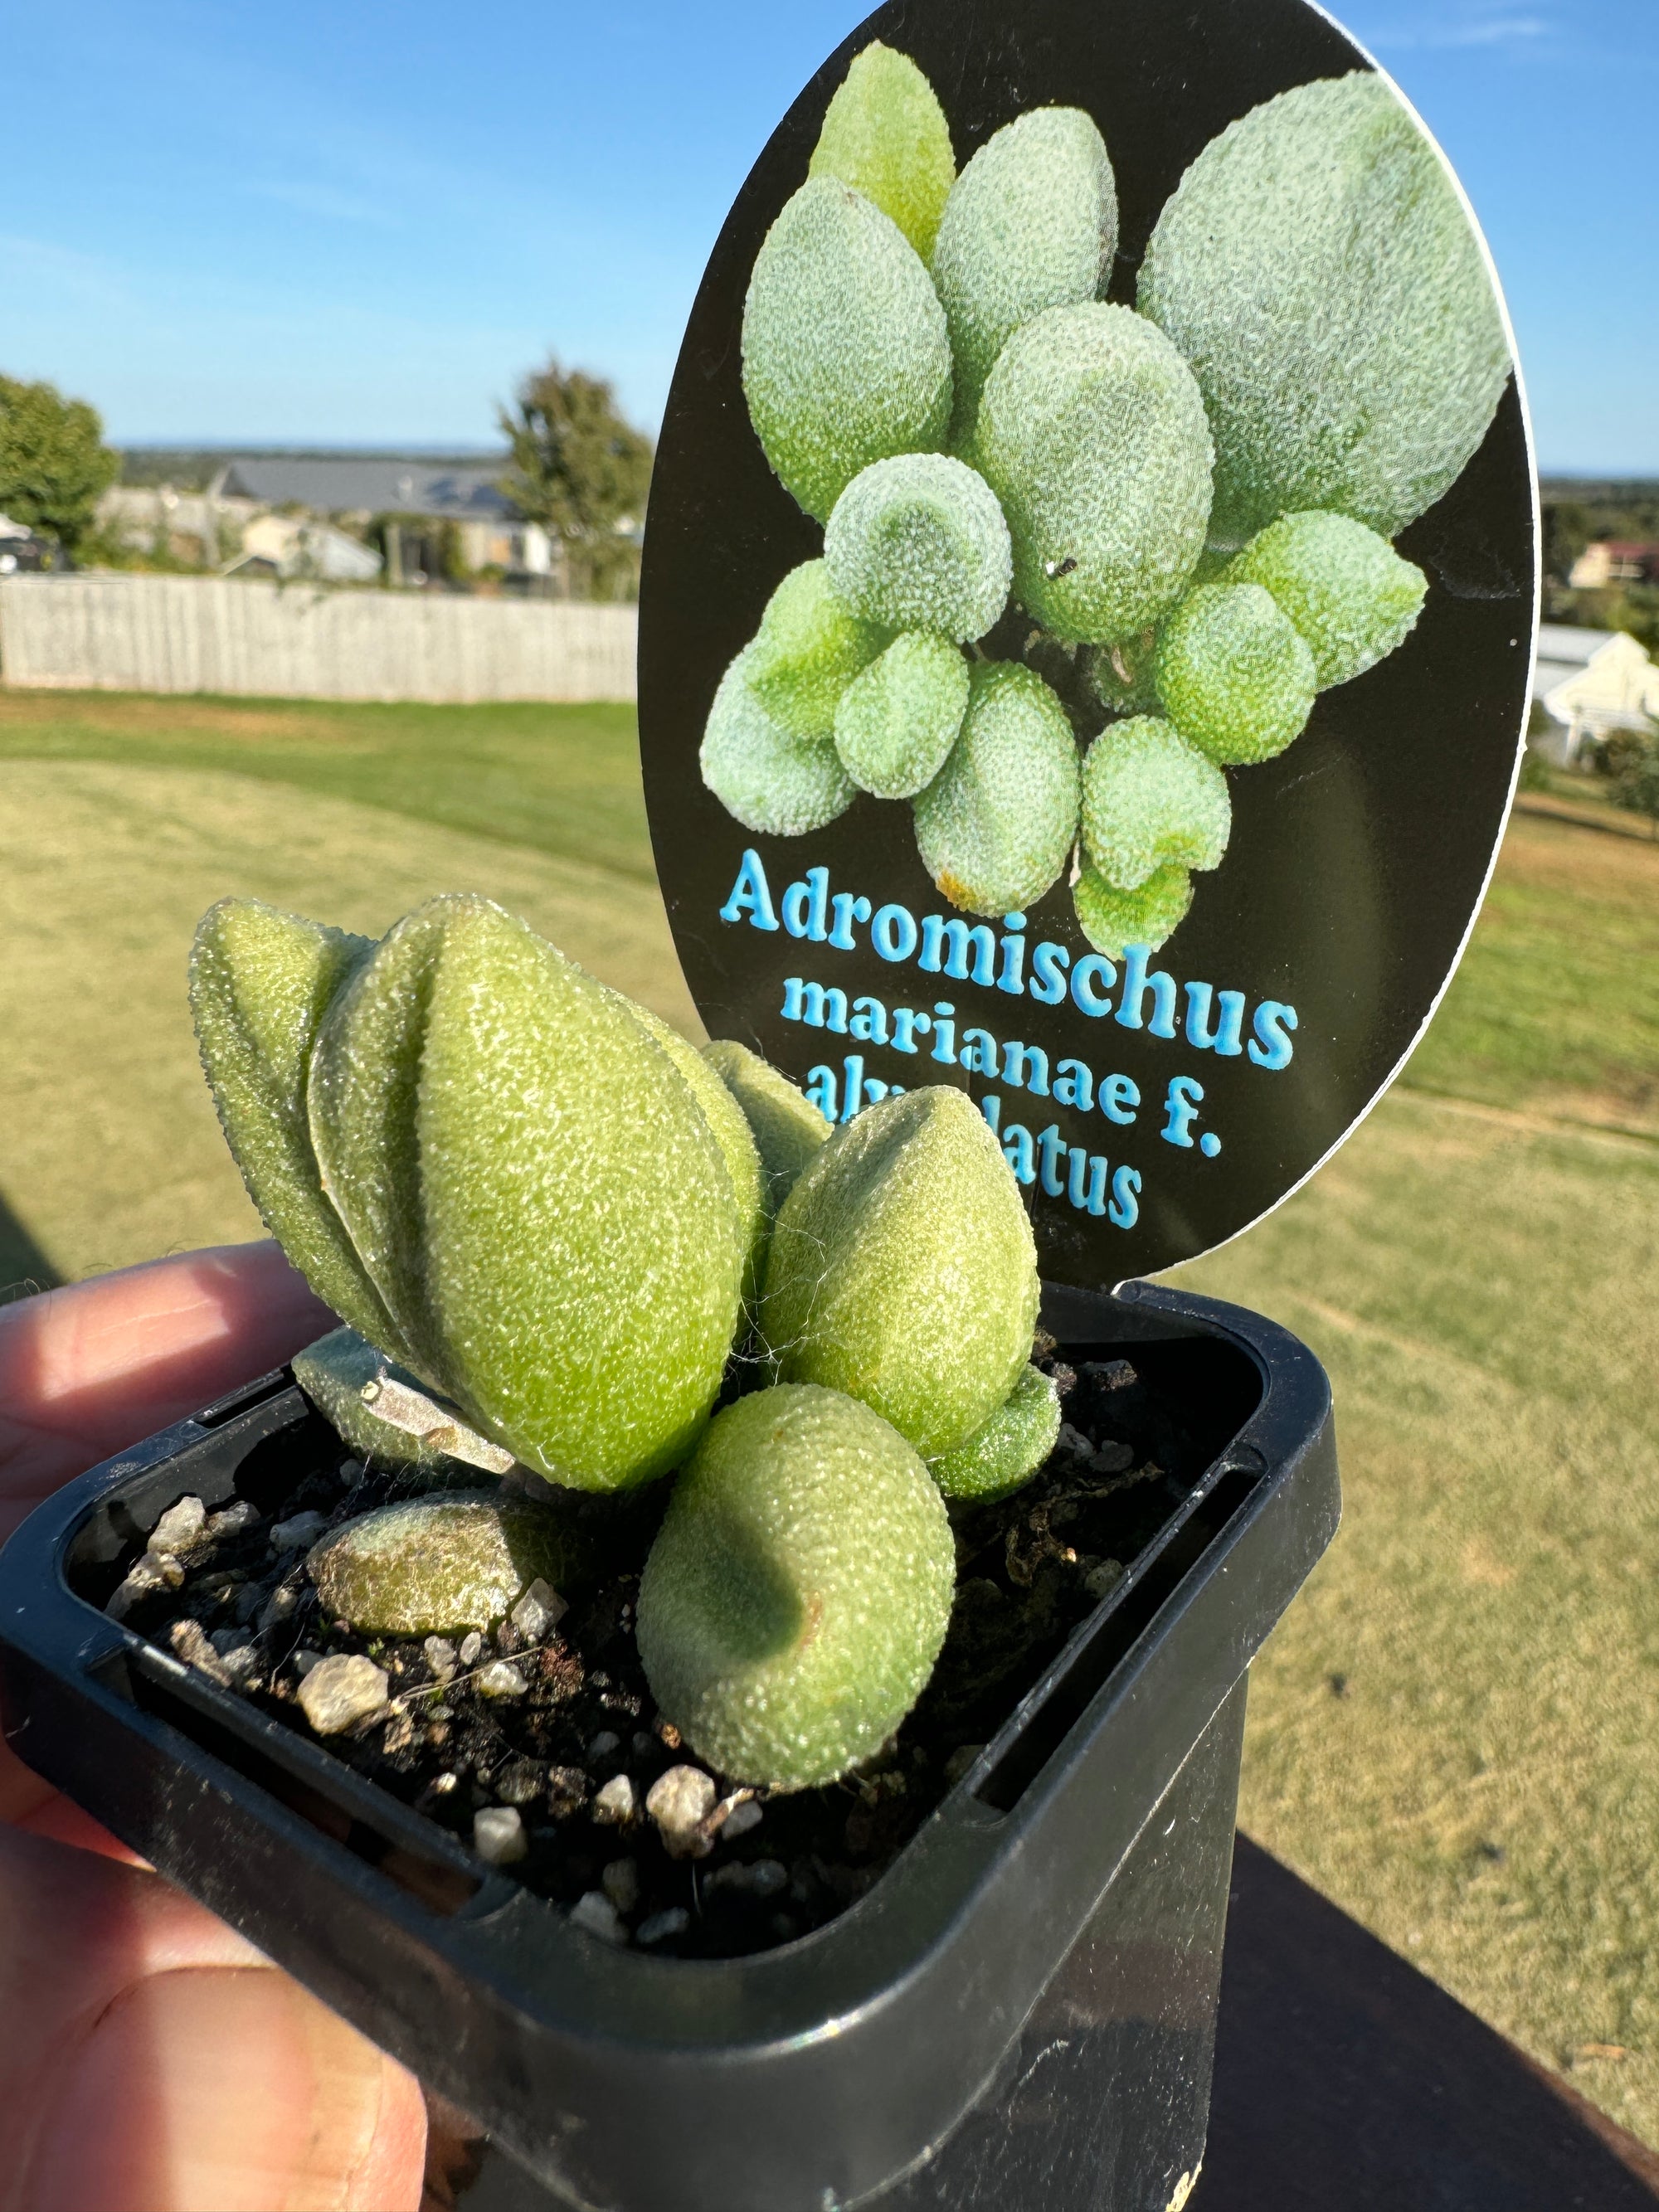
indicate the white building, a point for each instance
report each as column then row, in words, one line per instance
column 1589, row 682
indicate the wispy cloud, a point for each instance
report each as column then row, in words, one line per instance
column 323, row 201
column 1481, row 30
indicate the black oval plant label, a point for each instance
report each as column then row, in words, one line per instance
column 1089, row 600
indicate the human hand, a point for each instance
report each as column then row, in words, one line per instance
column 155, row 2061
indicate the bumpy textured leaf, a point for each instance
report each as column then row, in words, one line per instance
column 1121, row 676
column 919, row 543
column 332, row 1373
column 798, row 1591
column 1112, row 920
column 1234, row 673
column 787, row 1128
column 1350, row 595
column 260, row 983
column 845, row 354
column 1030, row 224
column 1092, row 433
column 902, row 1269
column 434, row 1566
column 808, row 649
column 766, row 779
column 1316, row 267
column 897, row 722
column 1150, row 799
column 886, row 136
column 535, row 1191
column 996, row 826
column 1010, row 1446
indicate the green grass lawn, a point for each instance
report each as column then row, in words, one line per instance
column 1452, row 1733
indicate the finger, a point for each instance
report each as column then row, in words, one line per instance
column 86, row 1369
column 215, row 2090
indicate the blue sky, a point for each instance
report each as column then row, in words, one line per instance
column 361, row 223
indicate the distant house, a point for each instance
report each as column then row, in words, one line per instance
column 1589, row 682
column 291, row 545
column 491, row 531
column 1614, row 561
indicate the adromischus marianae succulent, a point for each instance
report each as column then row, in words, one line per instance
column 897, row 721
column 1349, row 593
column 885, row 134
column 1150, row 799
column 902, row 1269
column 846, row 359
column 799, row 1590
column 787, row 1126
column 996, row 825
column 1113, row 920
column 1234, row 674
column 1092, row 434
column 809, row 647
column 1318, row 270
column 761, row 776
column 919, row 543
column 1032, row 223
column 333, row 1374
column 436, row 1566
column 1009, row 1448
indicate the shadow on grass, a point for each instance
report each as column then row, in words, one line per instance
column 24, row 1267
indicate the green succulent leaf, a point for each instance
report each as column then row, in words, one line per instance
column 997, row 825
column 902, row 1269
column 1121, row 676
column 1092, row 434
column 1007, row 1450
column 885, row 134
column 437, row 1565
column 332, row 1373
column 846, row 359
column 1150, row 798
column 787, row 1126
column 919, row 543
column 1112, row 920
column 808, row 649
column 763, row 777
column 1349, row 593
column 1234, row 674
column 798, row 1591
column 1325, row 226
column 1032, row 223
column 897, row 722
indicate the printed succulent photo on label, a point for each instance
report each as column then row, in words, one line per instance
column 1089, row 599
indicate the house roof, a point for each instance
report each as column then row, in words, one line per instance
column 1565, row 645
column 390, row 484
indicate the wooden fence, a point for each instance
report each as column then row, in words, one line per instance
column 301, row 642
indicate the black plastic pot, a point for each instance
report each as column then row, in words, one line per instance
column 1020, row 2013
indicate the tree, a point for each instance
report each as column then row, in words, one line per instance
column 579, row 469
column 54, row 464
column 1636, row 783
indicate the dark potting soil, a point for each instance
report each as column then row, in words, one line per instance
column 1031, row 1569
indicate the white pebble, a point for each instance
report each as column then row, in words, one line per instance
column 192, row 1647
column 621, row 1884
column 338, row 1692
column 498, row 1835
column 538, row 1611
column 679, row 1802
column 179, row 1527
column 278, row 1606
column 661, row 1925
column 471, row 1649
column 351, row 1473
column 741, row 1819
column 616, row 1803
column 150, row 1572
column 305, row 1659
column 604, row 1744
column 440, row 1654
column 231, row 1520
column 298, row 1533
column 500, row 1679
column 595, row 1911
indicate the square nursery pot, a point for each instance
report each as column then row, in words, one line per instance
column 1020, row 2012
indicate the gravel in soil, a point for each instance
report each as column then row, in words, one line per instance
column 539, row 1747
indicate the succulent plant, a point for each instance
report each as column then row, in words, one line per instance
column 886, row 136
column 1318, row 270
column 1150, row 798
column 903, row 1270
column 1121, row 676
column 809, row 647
column 763, row 777
column 1349, row 593
column 799, row 1590
column 1009, row 1448
column 334, row 1372
column 787, row 1126
column 436, row 1566
column 845, row 358
column 919, row 543
column 1032, row 223
column 1234, row 673
column 898, row 720
column 1150, row 914
column 996, row 825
